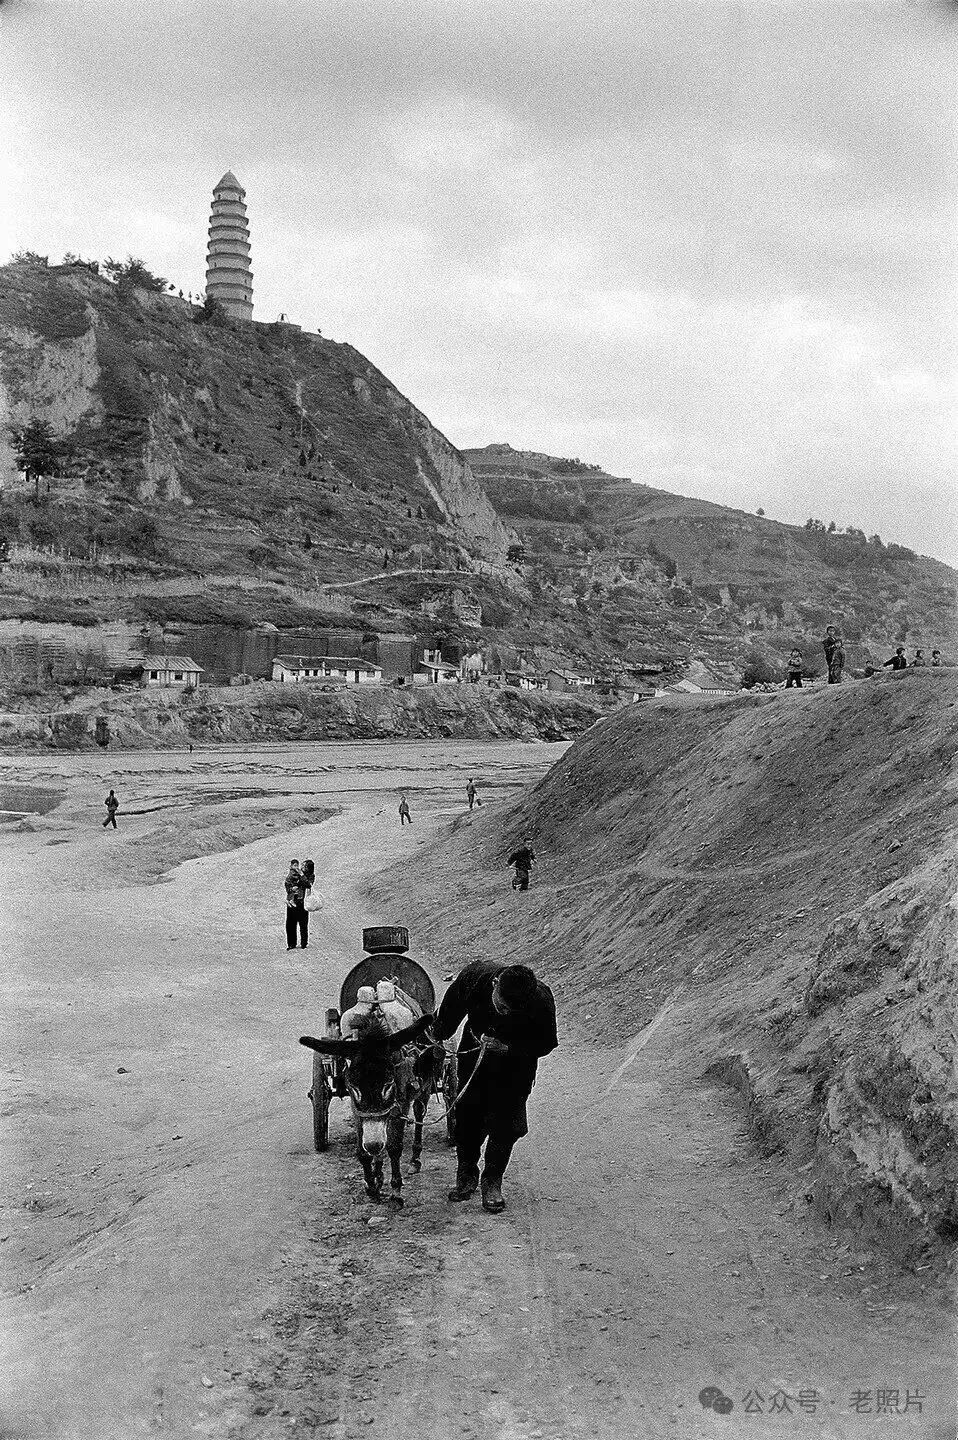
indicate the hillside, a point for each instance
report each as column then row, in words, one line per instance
column 658, row 573
column 787, row 863
column 228, row 482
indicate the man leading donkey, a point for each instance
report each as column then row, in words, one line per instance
column 510, row 1024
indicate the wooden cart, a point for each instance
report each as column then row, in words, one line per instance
column 385, row 959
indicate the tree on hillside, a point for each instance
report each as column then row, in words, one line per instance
column 131, row 274
column 37, row 450
column 760, row 511
column 29, row 257
column 212, row 312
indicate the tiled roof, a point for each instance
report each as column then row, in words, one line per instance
column 168, row 662
column 316, row 662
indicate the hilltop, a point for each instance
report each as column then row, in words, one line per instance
column 789, row 870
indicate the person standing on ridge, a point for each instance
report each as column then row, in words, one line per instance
column 834, row 655
column 512, row 1016
column 471, row 794
column 112, row 806
column 919, row 659
column 404, row 814
column 523, row 858
column 936, row 659
column 794, row 676
column 297, row 917
column 898, row 661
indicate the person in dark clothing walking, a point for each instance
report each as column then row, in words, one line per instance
column 112, row 806
column 898, row 661
column 297, row 916
column 472, row 795
column 404, row 814
column 512, row 1015
column 523, row 859
column 794, row 676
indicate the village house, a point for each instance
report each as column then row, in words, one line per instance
column 562, row 680
column 433, row 670
column 338, row 669
column 702, row 683
column 157, row 670
column 524, row 680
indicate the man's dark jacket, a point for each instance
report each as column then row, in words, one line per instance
column 503, row 1084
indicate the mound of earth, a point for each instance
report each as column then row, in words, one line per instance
column 787, row 861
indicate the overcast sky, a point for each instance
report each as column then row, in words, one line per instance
column 708, row 246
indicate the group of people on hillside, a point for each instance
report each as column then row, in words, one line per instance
column 834, row 650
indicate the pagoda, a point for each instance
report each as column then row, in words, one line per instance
column 229, row 278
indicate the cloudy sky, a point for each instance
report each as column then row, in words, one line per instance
column 709, row 246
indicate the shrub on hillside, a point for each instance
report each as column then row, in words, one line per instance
column 759, row 670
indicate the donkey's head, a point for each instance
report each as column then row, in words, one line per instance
column 371, row 1072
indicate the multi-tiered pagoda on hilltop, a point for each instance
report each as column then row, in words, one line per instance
column 229, row 278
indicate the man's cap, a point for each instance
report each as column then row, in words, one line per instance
column 517, row 983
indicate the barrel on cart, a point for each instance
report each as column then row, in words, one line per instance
column 385, row 959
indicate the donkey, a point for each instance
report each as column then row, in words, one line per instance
column 387, row 1074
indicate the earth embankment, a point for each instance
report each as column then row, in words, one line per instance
column 786, row 862
column 267, row 712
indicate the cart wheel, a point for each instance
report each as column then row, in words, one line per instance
column 450, row 1089
column 320, row 1095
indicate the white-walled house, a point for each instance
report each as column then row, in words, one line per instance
column 341, row 669
column 168, row 670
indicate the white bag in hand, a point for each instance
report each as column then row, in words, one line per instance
column 312, row 901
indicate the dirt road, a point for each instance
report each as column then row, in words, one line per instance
column 182, row 1263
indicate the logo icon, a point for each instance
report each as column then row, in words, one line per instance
column 712, row 1398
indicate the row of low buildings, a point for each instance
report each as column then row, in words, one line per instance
column 183, row 672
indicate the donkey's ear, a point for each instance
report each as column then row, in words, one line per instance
column 411, row 1032
column 327, row 1047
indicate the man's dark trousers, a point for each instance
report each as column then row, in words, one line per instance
column 297, row 921
column 472, row 1128
column 110, row 820
column 521, row 881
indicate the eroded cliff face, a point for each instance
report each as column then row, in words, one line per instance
column 886, row 1157
column 270, row 435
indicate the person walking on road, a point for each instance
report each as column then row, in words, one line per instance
column 472, row 795
column 404, row 814
column 112, row 806
column 512, row 1016
column 794, row 676
column 523, row 858
column 898, row 661
column 297, row 916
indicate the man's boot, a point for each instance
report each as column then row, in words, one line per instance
column 466, row 1183
column 492, row 1194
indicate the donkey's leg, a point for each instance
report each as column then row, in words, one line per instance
column 396, row 1138
column 372, row 1170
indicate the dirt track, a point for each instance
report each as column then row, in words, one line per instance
column 184, row 1264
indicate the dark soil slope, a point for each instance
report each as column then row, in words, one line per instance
column 789, row 860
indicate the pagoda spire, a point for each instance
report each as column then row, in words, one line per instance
column 229, row 278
